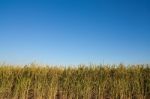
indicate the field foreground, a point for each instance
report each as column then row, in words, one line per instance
column 80, row 82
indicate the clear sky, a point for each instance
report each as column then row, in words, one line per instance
column 75, row 31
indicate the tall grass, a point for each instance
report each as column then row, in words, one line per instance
column 80, row 82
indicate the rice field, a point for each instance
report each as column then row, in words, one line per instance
column 75, row 82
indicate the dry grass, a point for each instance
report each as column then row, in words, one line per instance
column 82, row 82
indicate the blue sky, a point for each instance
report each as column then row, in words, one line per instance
column 75, row 31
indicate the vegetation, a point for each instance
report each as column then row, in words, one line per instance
column 79, row 82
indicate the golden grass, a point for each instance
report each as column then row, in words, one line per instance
column 81, row 82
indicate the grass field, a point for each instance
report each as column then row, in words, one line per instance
column 79, row 82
